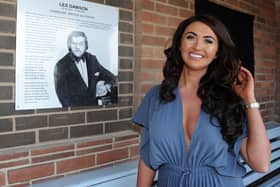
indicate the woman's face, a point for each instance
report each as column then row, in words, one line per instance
column 199, row 45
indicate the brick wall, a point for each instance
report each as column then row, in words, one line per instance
column 37, row 145
column 160, row 18
column 277, row 102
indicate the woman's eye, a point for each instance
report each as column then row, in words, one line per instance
column 190, row 37
column 209, row 41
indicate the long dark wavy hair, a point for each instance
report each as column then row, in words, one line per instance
column 215, row 87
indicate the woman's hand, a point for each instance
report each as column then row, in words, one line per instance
column 244, row 86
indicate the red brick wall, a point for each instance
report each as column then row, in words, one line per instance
column 277, row 27
column 160, row 18
column 42, row 163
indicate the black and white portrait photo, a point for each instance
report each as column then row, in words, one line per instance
column 79, row 77
column 67, row 54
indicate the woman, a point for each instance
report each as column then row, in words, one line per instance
column 203, row 116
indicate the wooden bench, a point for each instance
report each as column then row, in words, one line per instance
column 125, row 174
column 272, row 177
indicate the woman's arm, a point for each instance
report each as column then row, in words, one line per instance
column 256, row 148
column 145, row 175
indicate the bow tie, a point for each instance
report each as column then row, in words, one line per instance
column 78, row 60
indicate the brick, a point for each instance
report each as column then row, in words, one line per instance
column 113, row 155
column 125, row 27
column 67, row 119
column 152, row 64
column 11, row 156
column 7, row 109
column 6, row 125
column 164, row 31
column 159, row 52
column 2, row 179
column 31, row 122
column 7, row 42
column 94, row 150
column 126, row 39
column 180, row 3
column 75, row 164
column 125, row 51
column 174, row 21
column 6, row 59
column 153, row 18
column 86, row 130
column 28, row 173
column 117, row 126
column 148, row 5
column 126, row 63
column 14, row 163
column 53, row 134
column 185, row 13
column 120, row 3
column 125, row 76
column 147, row 75
column 125, row 15
column 134, row 150
column 154, row 40
column 103, row 115
column 147, row 28
column 20, row 112
column 125, row 113
column 52, row 157
column 7, row 26
column 7, row 75
column 148, row 52
column 125, row 88
column 7, row 10
column 125, row 143
column 126, row 137
column 17, row 139
column 94, row 143
column 6, row 92
column 168, row 10
column 48, row 150
column 125, row 101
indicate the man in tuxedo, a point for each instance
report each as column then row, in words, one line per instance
column 80, row 79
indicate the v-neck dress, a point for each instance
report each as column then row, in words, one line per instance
column 203, row 162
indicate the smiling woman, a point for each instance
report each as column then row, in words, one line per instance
column 195, row 124
column 199, row 46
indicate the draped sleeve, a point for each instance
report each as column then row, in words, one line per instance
column 142, row 117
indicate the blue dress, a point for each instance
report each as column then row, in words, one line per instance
column 205, row 162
